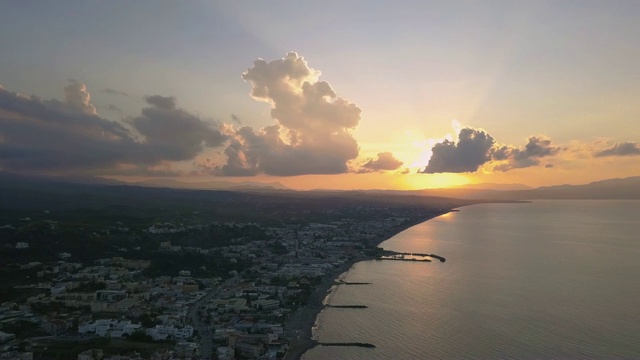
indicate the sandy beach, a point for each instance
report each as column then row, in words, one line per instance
column 302, row 321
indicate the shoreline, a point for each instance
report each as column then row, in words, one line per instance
column 304, row 320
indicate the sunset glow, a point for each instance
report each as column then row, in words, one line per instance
column 399, row 98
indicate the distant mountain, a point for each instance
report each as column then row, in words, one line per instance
column 627, row 188
column 90, row 180
column 210, row 185
column 38, row 188
column 157, row 183
column 493, row 186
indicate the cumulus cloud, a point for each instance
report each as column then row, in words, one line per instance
column 475, row 148
column 510, row 157
column 620, row 149
column 471, row 151
column 311, row 134
column 77, row 96
column 384, row 162
column 71, row 137
column 171, row 133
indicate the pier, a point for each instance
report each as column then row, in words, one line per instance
column 403, row 259
column 357, row 344
column 426, row 255
column 348, row 306
column 352, row 283
column 393, row 255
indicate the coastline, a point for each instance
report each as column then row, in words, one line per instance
column 304, row 320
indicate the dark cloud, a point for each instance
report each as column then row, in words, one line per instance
column 312, row 130
column 471, row 151
column 476, row 148
column 384, row 162
column 510, row 157
column 57, row 136
column 171, row 133
column 161, row 102
column 70, row 137
column 114, row 92
column 620, row 149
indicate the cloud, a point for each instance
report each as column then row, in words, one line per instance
column 510, row 157
column 620, row 149
column 477, row 149
column 384, row 162
column 77, row 96
column 161, row 102
column 311, row 134
column 471, row 151
column 171, row 133
column 71, row 137
column 57, row 136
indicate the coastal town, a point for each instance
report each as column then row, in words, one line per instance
column 182, row 289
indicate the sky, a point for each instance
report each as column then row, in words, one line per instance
column 332, row 94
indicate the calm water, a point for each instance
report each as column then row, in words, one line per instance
column 549, row 279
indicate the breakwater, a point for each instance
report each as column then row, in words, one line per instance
column 348, row 306
column 437, row 257
column 403, row 259
column 442, row 259
column 394, row 255
column 352, row 283
column 356, row 344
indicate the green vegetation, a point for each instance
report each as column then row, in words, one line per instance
column 22, row 329
column 69, row 349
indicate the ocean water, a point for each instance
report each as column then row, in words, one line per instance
column 548, row 279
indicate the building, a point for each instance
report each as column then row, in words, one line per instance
column 265, row 305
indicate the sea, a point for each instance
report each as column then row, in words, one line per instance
column 540, row 280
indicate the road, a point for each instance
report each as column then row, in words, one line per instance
column 205, row 331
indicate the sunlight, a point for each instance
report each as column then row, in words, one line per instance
column 417, row 154
column 432, row 181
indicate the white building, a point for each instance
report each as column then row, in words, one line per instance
column 109, row 328
column 163, row 332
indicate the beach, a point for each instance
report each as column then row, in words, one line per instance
column 303, row 320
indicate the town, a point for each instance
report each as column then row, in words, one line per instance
column 98, row 287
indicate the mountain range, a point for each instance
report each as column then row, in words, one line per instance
column 626, row 188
